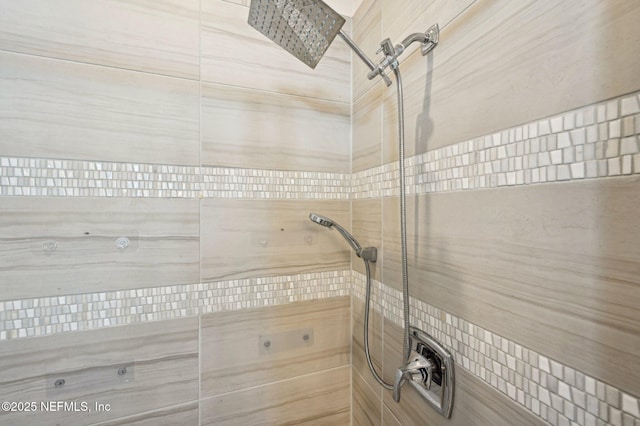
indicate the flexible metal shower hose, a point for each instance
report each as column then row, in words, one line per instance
column 403, row 237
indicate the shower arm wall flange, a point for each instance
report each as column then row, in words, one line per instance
column 433, row 36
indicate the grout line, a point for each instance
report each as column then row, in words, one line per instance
column 314, row 373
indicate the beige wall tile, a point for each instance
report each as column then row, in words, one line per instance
column 552, row 267
column 365, row 403
column 502, row 63
column 388, row 418
column 367, row 35
column 475, row 404
column 391, row 245
column 249, row 238
column 183, row 414
column 240, row 2
column 234, row 53
column 234, row 354
column 57, row 109
column 358, row 357
column 165, row 371
column 158, row 37
column 367, row 228
column 405, row 17
column 315, row 399
column 163, row 246
column 255, row 129
column 367, row 129
column 344, row 7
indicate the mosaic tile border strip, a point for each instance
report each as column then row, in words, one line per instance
column 597, row 141
column 70, row 178
column 50, row 315
column 555, row 392
column 220, row 182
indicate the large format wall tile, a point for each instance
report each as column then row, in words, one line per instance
column 161, row 361
column 404, row 17
column 366, row 405
column 367, row 35
column 254, row 129
column 159, row 37
column 182, row 414
column 243, row 349
column 59, row 246
column 234, row 53
column 367, row 227
column 58, row 109
column 315, row 399
column 248, row 238
column 367, row 130
column 552, row 267
column 475, row 404
column 358, row 357
column 502, row 63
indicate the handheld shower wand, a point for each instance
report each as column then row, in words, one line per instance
column 368, row 253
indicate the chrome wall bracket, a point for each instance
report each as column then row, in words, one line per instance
column 433, row 36
column 429, row 370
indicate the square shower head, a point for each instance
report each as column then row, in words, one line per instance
column 304, row 28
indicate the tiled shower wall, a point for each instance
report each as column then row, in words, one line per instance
column 122, row 160
column 523, row 179
column 157, row 164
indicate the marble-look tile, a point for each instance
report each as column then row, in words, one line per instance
column 365, row 403
column 262, row 238
column 233, row 53
column 366, row 226
column 548, row 266
column 183, row 414
column 388, row 418
column 367, row 130
column 157, row 37
column 240, row 2
column 251, row 128
column 58, row 109
column 315, row 399
column 248, row 348
column 62, row 246
column 524, row 36
column 358, row 357
column 161, row 361
column 391, row 263
column 404, row 17
column 367, row 35
column 62, row 314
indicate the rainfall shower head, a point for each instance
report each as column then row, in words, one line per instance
column 304, row 28
column 325, row 221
